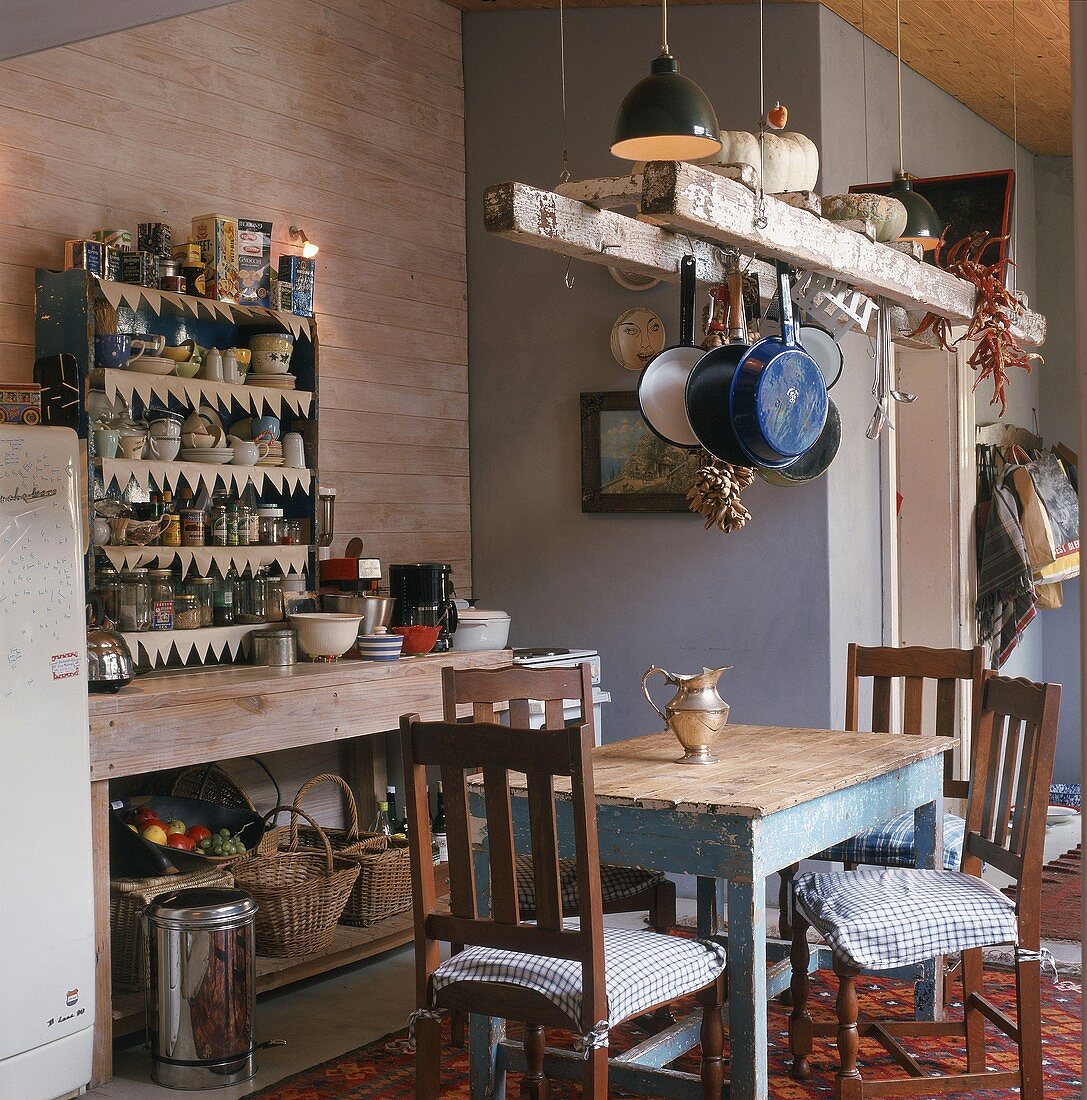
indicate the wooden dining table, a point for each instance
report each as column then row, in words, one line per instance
column 775, row 797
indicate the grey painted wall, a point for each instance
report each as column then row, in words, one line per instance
column 780, row 599
column 1055, row 297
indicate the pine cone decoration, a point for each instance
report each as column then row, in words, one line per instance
column 715, row 493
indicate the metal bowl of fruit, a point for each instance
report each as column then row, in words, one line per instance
column 156, row 835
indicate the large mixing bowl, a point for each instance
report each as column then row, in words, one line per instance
column 376, row 611
column 326, row 637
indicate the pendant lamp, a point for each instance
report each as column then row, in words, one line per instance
column 666, row 116
column 923, row 224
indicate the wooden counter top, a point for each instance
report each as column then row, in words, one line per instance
column 173, row 719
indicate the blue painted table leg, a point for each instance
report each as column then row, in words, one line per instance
column 711, row 906
column 747, row 988
column 928, row 832
column 487, row 1069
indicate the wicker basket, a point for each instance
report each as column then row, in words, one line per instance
column 301, row 893
column 128, row 898
column 384, row 883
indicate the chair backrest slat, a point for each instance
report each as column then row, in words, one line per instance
column 1006, row 816
column 911, row 666
column 503, row 858
column 462, row 889
column 545, row 851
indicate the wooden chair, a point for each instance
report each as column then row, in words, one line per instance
column 539, row 973
column 623, row 889
column 891, row 844
column 947, row 912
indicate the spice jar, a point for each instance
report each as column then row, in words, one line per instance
column 232, row 524
column 275, row 598
column 171, row 533
column 200, row 588
column 271, row 526
column 243, row 524
column 186, row 612
column 217, row 520
column 135, row 609
column 192, row 521
column 162, row 599
column 292, row 532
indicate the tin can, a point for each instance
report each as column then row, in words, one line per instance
column 86, row 256
column 154, row 237
column 140, row 268
column 176, row 283
column 113, row 263
column 299, row 272
column 121, row 239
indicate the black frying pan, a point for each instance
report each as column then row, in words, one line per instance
column 663, row 380
column 816, row 460
column 709, row 383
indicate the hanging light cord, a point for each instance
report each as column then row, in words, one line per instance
column 1015, row 155
column 898, row 29
column 761, row 221
column 864, row 83
column 564, row 175
column 664, row 26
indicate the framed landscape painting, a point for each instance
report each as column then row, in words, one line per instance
column 624, row 466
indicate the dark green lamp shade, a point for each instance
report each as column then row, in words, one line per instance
column 666, row 117
column 922, row 222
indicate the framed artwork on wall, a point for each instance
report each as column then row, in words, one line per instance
column 966, row 204
column 624, row 466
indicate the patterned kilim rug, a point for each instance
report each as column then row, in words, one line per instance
column 384, row 1070
column 1062, row 897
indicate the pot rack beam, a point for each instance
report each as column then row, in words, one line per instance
column 576, row 229
column 690, row 199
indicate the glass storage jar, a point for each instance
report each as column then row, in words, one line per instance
column 162, row 599
column 275, row 598
column 201, row 589
column 108, row 584
column 135, row 609
column 186, row 612
column 223, row 600
column 270, row 522
column 292, row 532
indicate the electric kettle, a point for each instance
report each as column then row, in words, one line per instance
column 109, row 660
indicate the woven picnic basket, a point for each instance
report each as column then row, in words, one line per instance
column 383, row 887
column 300, row 893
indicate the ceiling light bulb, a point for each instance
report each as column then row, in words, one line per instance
column 309, row 249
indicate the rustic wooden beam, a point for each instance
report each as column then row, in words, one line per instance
column 574, row 228
column 688, row 198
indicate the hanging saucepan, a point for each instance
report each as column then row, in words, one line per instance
column 778, row 400
column 818, row 343
column 663, row 380
column 816, row 460
column 710, row 382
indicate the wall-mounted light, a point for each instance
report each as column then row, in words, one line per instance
column 309, row 249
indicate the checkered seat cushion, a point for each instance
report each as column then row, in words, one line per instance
column 617, row 883
column 879, row 919
column 641, row 969
column 891, row 844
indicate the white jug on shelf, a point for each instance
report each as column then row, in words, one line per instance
column 213, row 365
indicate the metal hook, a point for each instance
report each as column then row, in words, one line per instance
column 568, row 278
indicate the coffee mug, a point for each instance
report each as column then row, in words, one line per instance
column 132, row 444
column 163, row 448
column 112, row 350
column 248, row 454
column 166, row 428
column 106, row 441
column 294, row 454
column 199, row 440
column 148, row 343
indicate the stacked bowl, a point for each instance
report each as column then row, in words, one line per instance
column 380, row 647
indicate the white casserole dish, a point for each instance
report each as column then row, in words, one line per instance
column 478, row 629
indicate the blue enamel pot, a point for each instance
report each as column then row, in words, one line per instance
column 778, row 399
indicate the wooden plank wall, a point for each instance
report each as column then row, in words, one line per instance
column 343, row 116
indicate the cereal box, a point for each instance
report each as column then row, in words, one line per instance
column 254, row 262
column 218, row 239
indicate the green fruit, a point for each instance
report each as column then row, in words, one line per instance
column 225, row 834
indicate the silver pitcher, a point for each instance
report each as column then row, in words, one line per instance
column 696, row 714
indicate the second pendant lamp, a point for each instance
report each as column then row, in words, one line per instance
column 666, row 116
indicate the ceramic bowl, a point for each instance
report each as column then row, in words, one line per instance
column 151, row 364
column 418, row 639
column 325, row 636
column 182, row 353
column 271, row 352
column 189, row 369
column 380, row 647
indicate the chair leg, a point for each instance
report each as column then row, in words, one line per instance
column 785, row 900
column 535, row 1086
column 972, row 962
column 1028, row 997
column 594, row 1083
column 662, row 909
column 458, row 1026
column 428, row 1054
column 800, row 1026
column 713, row 1039
column 847, row 1085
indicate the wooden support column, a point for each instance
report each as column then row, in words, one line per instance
column 102, row 1060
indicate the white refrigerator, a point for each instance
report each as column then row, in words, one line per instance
column 46, row 908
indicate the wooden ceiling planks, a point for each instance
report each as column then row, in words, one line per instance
column 962, row 46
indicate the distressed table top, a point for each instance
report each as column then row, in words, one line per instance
column 762, row 769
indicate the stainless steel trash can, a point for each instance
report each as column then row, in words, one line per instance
column 203, row 973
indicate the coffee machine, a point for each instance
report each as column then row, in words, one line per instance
column 425, row 597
